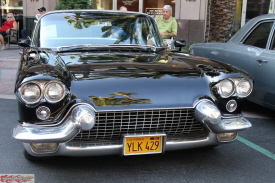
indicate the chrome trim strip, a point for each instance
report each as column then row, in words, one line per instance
column 232, row 116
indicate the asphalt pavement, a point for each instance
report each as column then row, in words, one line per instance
column 9, row 60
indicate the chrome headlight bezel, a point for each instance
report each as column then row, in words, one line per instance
column 22, row 91
column 46, row 91
column 237, row 85
column 42, row 87
column 222, row 89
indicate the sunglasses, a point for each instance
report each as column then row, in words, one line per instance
column 9, row 17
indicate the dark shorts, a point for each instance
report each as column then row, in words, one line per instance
column 3, row 33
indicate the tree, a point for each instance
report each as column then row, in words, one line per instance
column 220, row 25
column 73, row 4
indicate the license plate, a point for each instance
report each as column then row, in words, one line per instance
column 135, row 145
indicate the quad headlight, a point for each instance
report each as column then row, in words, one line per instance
column 54, row 92
column 33, row 92
column 226, row 88
column 30, row 93
column 241, row 87
column 244, row 87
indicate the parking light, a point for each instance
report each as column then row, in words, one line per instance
column 44, row 147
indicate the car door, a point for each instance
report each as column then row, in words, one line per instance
column 264, row 72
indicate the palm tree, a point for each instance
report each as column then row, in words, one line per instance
column 220, row 20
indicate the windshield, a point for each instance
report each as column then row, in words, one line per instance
column 95, row 28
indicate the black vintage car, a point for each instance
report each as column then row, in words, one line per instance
column 101, row 82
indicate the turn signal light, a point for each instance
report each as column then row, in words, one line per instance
column 44, row 147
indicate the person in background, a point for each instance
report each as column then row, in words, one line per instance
column 167, row 25
column 10, row 23
column 41, row 10
column 123, row 8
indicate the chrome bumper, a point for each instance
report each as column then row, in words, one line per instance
column 83, row 119
column 206, row 113
column 31, row 134
column 63, row 132
column 84, row 149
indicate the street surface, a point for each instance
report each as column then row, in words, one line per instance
column 251, row 158
column 250, row 161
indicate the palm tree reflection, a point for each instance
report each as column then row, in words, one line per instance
column 122, row 28
column 119, row 99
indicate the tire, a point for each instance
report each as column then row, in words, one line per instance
column 30, row 157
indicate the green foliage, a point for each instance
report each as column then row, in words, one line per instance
column 74, row 4
column 186, row 48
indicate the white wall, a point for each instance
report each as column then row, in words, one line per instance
column 191, row 9
column 30, row 7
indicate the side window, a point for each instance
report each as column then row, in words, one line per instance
column 259, row 36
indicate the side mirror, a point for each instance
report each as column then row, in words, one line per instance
column 24, row 42
column 180, row 43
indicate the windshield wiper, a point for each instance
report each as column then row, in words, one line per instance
column 73, row 47
column 136, row 46
column 110, row 46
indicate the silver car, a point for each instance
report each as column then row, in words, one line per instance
column 251, row 49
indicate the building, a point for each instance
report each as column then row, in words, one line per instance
column 198, row 20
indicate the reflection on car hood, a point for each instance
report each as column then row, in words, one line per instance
column 142, row 80
column 102, row 65
column 125, row 80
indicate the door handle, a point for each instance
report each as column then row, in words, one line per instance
column 262, row 61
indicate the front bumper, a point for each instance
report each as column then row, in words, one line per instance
column 66, row 130
column 91, row 149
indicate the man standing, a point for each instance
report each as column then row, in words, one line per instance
column 167, row 25
column 41, row 11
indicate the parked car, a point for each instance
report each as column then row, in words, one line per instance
column 95, row 83
column 251, row 49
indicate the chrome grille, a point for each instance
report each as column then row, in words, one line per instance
column 111, row 124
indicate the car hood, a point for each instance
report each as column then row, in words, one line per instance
column 120, row 81
column 131, row 80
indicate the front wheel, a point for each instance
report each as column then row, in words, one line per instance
column 30, row 157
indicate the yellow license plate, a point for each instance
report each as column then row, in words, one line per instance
column 142, row 145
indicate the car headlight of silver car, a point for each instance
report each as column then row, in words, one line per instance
column 54, row 92
column 30, row 93
column 35, row 91
column 241, row 87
